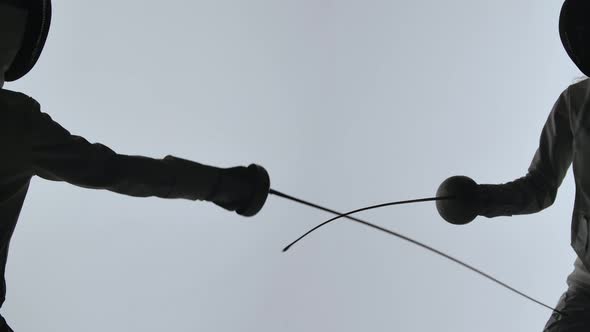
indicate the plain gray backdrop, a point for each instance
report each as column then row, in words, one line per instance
column 346, row 103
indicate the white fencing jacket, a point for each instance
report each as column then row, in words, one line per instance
column 33, row 144
column 565, row 140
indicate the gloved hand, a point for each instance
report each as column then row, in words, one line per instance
column 241, row 189
column 465, row 206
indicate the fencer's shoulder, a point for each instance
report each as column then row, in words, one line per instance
column 579, row 88
column 12, row 99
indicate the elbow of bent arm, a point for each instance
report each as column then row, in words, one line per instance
column 538, row 193
column 546, row 199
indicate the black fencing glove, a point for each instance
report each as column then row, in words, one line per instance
column 465, row 205
column 241, row 189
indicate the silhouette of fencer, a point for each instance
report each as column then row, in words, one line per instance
column 564, row 141
column 33, row 144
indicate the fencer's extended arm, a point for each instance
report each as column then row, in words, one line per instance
column 538, row 189
column 58, row 155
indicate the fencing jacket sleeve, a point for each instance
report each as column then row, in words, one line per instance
column 536, row 190
column 58, row 155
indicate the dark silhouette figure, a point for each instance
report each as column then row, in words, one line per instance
column 32, row 144
column 564, row 141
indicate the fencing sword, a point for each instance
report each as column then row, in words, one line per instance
column 440, row 198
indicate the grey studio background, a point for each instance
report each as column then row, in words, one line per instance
column 347, row 104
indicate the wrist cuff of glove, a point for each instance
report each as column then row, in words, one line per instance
column 482, row 200
column 192, row 180
column 494, row 201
